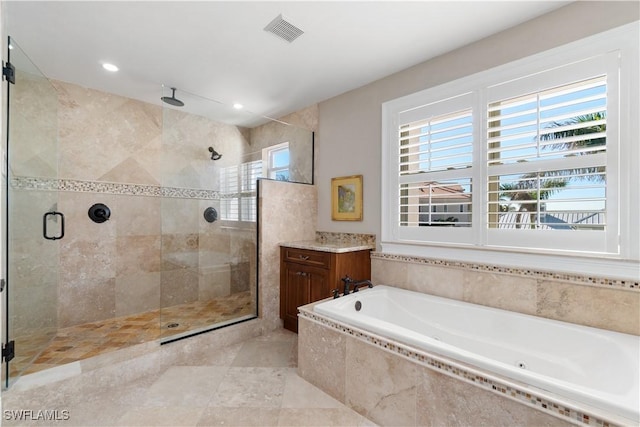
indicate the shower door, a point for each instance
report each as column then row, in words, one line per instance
column 34, row 225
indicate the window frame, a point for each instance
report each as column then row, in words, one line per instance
column 620, row 47
column 267, row 164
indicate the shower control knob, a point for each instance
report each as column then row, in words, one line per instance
column 210, row 214
column 99, row 213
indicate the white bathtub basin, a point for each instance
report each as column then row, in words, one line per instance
column 593, row 366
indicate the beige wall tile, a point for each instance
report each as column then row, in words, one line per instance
column 87, row 259
column 214, row 282
column 501, row 291
column 137, row 215
column 179, row 215
column 435, row 280
column 78, row 225
column 321, row 358
column 84, row 301
column 287, row 221
column 445, row 401
column 34, row 136
column 386, row 272
column 178, row 286
column 617, row 310
column 137, row 293
column 101, row 133
column 26, row 210
column 33, row 304
column 379, row 385
column 137, row 254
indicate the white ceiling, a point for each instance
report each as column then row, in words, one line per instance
column 219, row 50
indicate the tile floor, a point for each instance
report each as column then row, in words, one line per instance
column 253, row 383
column 35, row 353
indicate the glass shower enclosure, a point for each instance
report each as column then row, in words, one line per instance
column 127, row 221
column 35, row 226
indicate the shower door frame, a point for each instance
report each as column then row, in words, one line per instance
column 8, row 338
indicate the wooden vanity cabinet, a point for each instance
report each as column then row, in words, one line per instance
column 310, row 275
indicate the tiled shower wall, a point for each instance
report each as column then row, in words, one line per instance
column 289, row 213
column 156, row 248
column 591, row 301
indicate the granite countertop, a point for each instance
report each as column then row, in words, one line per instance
column 337, row 247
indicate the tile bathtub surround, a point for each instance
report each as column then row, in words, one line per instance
column 536, row 274
column 596, row 302
column 394, row 384
column 247, row 383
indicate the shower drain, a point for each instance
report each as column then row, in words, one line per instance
column 173, row 325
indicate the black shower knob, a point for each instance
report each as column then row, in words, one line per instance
column 99, row 213
column 210, row 214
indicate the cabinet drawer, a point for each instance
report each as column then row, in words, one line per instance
column 307, row 257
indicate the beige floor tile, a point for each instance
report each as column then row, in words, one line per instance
column 251, row 387
column 320, row 417
column 199, row 388
column 164, row 416
column 185, row 386
column 299, row 393
column 264, row 353
column 239, row 417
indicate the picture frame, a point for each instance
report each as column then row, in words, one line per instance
column 346, row 198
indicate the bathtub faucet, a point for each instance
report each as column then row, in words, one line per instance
column 360, row 284
column 351, row 285
column 347, row 281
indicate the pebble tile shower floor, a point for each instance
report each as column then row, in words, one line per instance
column 253, row 383
column 79, row 342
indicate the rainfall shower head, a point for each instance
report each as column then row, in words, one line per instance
column 214, row 154
column 172, row 100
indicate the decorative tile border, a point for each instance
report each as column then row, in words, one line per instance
column 536, row 274
column 47, row 184
column 493, row 385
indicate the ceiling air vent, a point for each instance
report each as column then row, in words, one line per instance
column 284, row 29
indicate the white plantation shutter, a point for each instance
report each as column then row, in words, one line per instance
column 523, row 128
column 548, row 141
column 250, row 173
column 229, row 202
column 525, row 157
column 528, row 136
column 434, row 169
column 238, row 184
column 438, row 143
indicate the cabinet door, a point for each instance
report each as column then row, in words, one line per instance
column 302, row 285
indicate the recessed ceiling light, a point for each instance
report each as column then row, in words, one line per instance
column 109, row 67
column 237, row 106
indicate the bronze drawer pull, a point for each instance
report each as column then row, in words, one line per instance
column 301, row 273
column 303, row 257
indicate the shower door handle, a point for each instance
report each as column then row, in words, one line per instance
column 44, row 225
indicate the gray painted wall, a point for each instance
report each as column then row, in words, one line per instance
column 349, row 130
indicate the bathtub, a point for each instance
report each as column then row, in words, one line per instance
column 591, row 366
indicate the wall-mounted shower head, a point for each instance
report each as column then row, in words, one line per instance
column 214, row 154
column 172, row 100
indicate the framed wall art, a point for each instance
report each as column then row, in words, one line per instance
column 346, row 198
